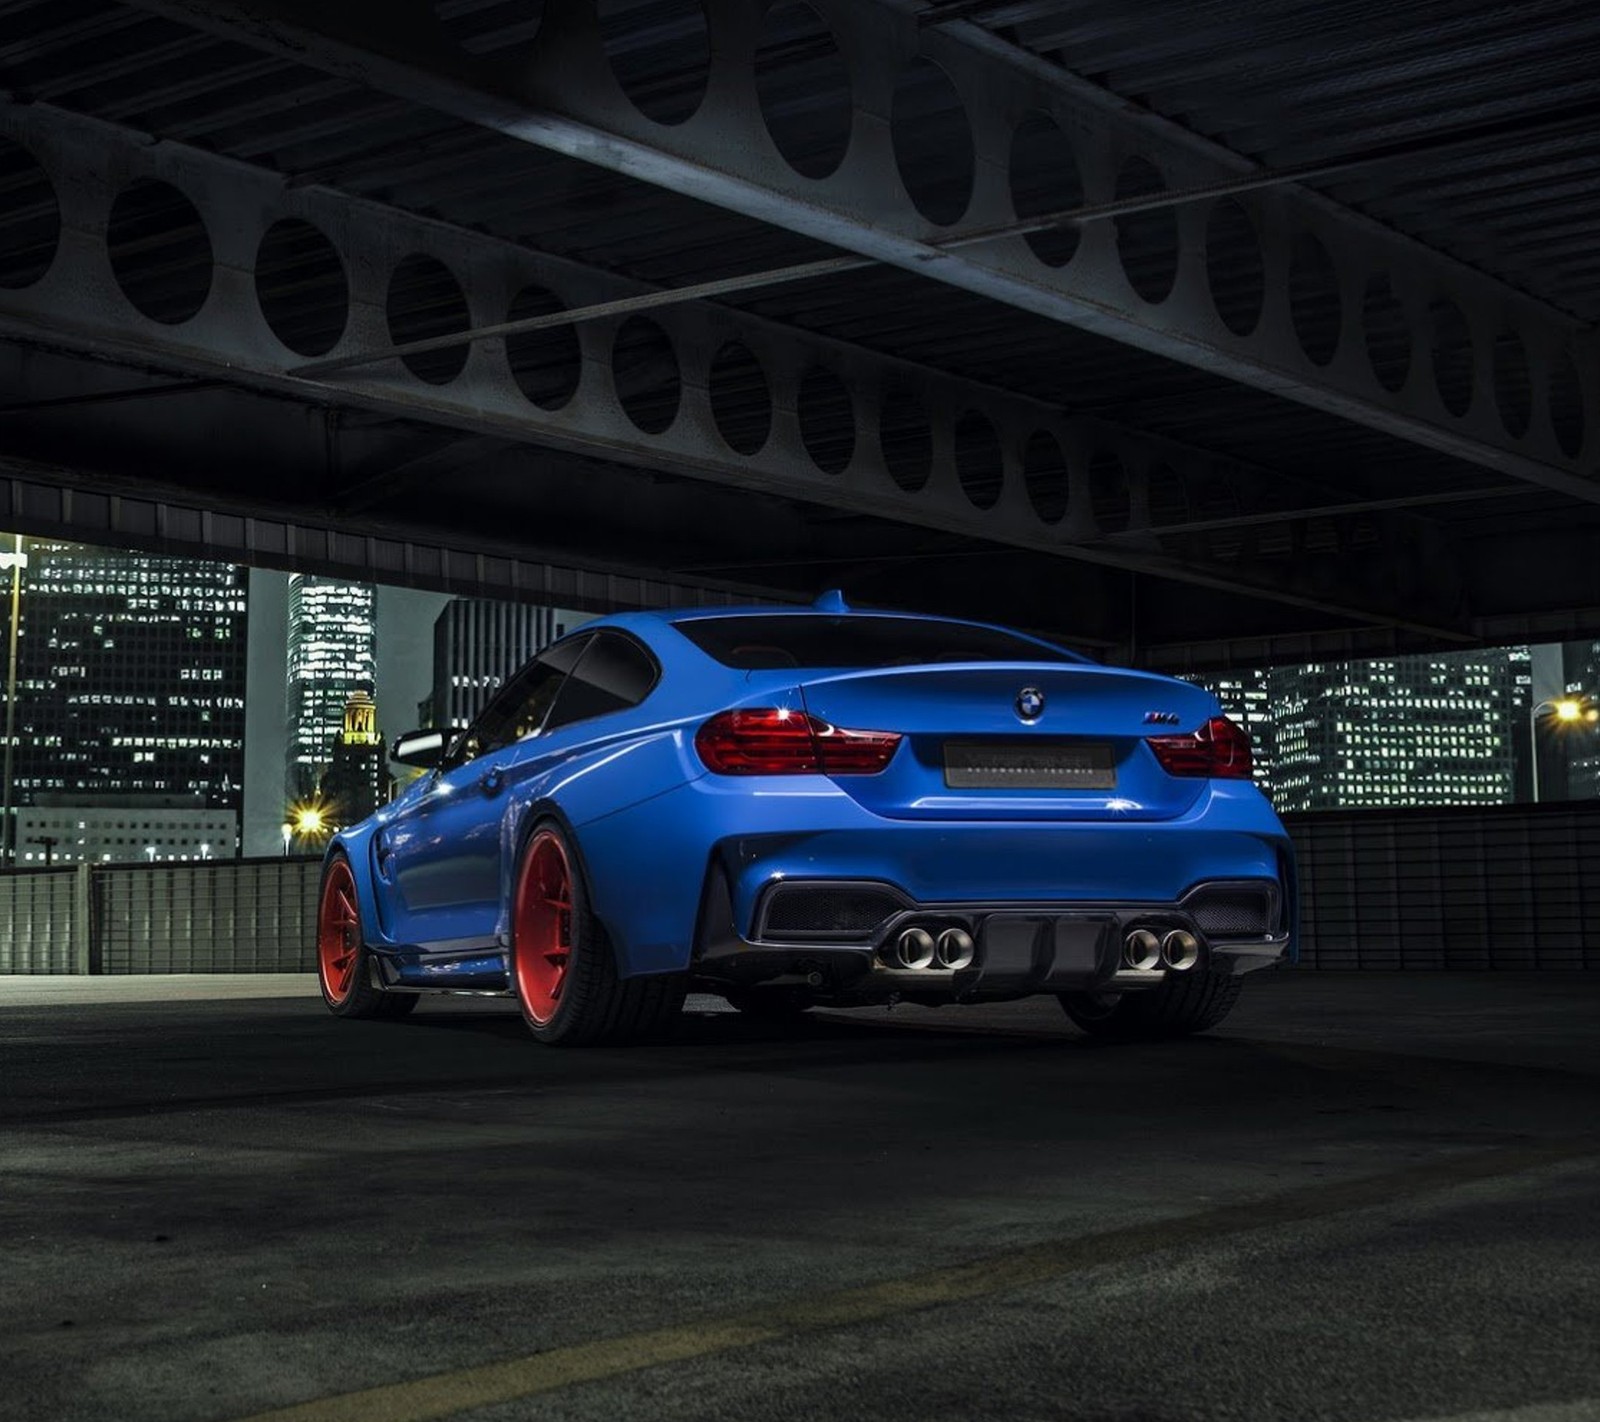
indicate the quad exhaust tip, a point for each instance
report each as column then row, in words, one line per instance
column 955, row 949
column 914, row 948
column 1180, row 950
column 1141, row 950
column 950, row 948
column 1145, row 949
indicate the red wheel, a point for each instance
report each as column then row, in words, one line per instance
column 563, row 969
column 342, row 956
column 542, row 926
column 338, row 934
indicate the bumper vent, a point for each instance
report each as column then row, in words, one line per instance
column 1234, row 911
column 805, row 911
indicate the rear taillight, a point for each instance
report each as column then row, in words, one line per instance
column 775, row 741
column 1219, row 750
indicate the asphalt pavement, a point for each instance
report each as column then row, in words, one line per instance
column 1363, row 1198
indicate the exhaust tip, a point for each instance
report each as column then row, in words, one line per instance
column 1180, row 950
column 1141, row 950
column 955, row 949
column 914, row 948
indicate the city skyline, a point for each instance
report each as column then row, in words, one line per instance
column 175, row 686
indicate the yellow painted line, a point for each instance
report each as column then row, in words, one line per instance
column 446, row 1394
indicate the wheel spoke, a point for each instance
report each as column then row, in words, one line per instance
column 339, row 934
column 542, row 928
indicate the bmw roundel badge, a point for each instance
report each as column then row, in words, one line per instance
column 1030, row 703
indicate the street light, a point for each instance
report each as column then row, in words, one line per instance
column 288, row 834
column 1562, row 711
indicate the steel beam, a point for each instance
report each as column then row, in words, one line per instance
column 52, row 501
column 676, row 420
column 562, row 93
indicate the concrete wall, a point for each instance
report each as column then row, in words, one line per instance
column 1496, row 887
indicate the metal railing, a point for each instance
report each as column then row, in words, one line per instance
column 217, row 916
column 1511, row 887
column 1495, row 886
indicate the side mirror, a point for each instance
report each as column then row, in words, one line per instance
column 424, row 749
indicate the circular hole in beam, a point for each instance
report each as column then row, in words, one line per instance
column 1236, row 274
column 30, row 218
column 644, row 368
column 741, row 401
column 1566, row 405
column 160, row 251
column 1147, row 242
column 426, row 301
column 1513, row 391
column 1451, row 340
column 301, row 287
column 1314, row 303
column 490, row 26
column 932, row 142
column 1109, row 499
column 1383, row 319
column 1044, row 475
column 979, row 463
column 827, row 420
column 1044, row 179
column 547, row 365
column 905, row 435
column 660, row 51
column 803, row 87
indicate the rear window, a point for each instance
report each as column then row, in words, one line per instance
column 760, row 643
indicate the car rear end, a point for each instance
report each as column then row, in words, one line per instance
column 991, row 818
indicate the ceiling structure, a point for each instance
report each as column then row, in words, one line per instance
column 1193, row 333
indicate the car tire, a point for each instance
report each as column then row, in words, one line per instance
column 563, row 970
column 343, row 960
column 1182, row 1005
column 769, row 1004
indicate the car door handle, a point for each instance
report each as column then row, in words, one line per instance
column 493, row 780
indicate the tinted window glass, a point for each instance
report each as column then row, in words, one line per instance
column 615, row 673
column 522, row 705
column 755, row 643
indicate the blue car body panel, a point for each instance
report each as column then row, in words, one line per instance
column 653, row 827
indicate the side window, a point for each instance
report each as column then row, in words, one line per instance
column 522, row 705
column 614, row 673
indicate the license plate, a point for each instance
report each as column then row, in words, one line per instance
column 1010, row 765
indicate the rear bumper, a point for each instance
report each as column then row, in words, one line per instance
column 1018, row 949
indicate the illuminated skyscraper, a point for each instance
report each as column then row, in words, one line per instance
column 356, row 780
column 332, row 655
column 130, row 683
column 1415, row 730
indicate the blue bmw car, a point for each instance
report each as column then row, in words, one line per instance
column 807, row 807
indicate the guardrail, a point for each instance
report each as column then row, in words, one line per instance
column 1494, row 886
column 216, row 916
column 1513, row 887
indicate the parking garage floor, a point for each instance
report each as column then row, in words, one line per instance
column 1362, row 1198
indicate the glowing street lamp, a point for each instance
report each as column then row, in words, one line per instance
column 1563, row 712
column 288, row 834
